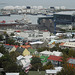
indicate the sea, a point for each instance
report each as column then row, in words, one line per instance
column 32, row 18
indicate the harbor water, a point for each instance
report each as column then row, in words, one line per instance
column 32, row 18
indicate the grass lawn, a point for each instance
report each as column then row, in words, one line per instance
column 36, row 73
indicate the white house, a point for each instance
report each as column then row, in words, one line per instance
column 48, row 53
column 45, row 53
column 67, row 45
column 53, row 71
column 24, row 61
column 57, row 53
column 12, row 73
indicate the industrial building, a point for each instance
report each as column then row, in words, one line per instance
column 65, row 17
column 63, row 20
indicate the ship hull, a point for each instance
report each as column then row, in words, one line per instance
column 5, row 15
column 14, row 24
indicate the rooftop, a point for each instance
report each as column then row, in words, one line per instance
column 37, row 42
column 12, row 73
column 55, row 58
column 71, row 60
column 66, row 13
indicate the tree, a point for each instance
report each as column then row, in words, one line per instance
column 22, row 73
column 10, row 41
column 8, row 64
column 13, row 55
column 48, row 66
column 12, row 34
column 43, row 49
column 67, row 70
column 3, row 50
column 1, row 37
column 11, row 67
column 5, row 58
column 36, row 63
column 71, row 53
column 64, row 60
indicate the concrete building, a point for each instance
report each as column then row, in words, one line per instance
column 67, row 45
column 33, row 34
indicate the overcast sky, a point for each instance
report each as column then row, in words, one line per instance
column 45, row 3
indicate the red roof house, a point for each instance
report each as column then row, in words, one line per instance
column 55, row 58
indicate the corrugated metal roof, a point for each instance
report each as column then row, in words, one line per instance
column 55, row 58
column 71, row 60
column 66, row 13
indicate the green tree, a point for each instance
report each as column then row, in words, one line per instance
column 4, row 58
column 67, row 71
column 11, row 67
column 36, row 63
column 22, row 73
column 64, row 60
column 8, row 64
column 43, row 49
column 3, row 50
column 13, row 55
column 12, row 34
column 10, row 41
column 1, row 37
column 71, row 53
column 48, row 66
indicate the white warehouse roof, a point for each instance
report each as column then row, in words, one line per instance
column 46, row 52
column 66, row 13
column 38, row 42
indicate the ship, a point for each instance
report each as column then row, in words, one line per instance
column 24, row 20
column 10, row 23
column 4, row 13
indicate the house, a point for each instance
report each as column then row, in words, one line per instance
column 23, row 51
column 26, row 52
column 37, row 44
column 48, row 53
column 53, row 71
column 45, row 53
column 20, row 49
column 57, row 53
column 24, row 60
column 52, row 43
column 26, row 46
column 9, row 48
column 71, row 62
column 67, row 45
column 55, row 60
column 12, row 73
column 32, row 51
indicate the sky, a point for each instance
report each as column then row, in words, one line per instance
column 45, row 3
